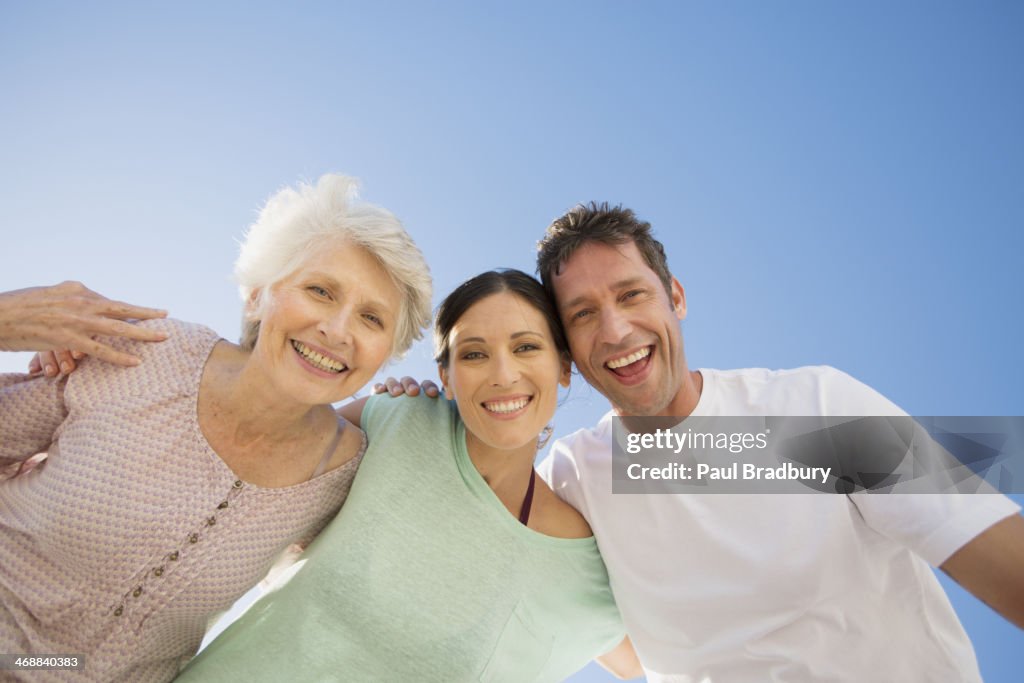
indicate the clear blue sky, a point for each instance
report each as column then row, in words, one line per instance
column 835, row 182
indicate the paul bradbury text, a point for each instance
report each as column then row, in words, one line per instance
column 735, row 471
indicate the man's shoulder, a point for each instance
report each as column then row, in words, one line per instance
column 584, row 439
column 572, row 454
column 808, row 390
column 803, row 374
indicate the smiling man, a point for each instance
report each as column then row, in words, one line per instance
column 755, row 587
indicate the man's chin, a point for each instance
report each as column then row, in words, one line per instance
column 634, row 408
column 626, row 402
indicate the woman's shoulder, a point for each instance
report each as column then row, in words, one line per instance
column 187, row 345
column 181, row 333
column 385, row 412
column 164, row 365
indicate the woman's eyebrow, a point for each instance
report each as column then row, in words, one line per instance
column 331, row 282
column 481, row 340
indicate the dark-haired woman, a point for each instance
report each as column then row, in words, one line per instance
column 451, row 561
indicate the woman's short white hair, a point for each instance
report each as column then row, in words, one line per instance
column 294, row 222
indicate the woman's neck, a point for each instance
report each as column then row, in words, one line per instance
column 507, row 472
column 242, row 399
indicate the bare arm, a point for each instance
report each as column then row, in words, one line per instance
column 622, row 661
column 70, row 316
column 353, row 411
column 991, row 567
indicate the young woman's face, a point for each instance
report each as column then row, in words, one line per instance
column 327, row 328
column 504, row 371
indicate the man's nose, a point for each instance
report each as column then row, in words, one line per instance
column 614, row 327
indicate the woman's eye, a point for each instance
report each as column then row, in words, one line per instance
column 319, row 291
column 527, row 347
column 374, row 319
column 472, row 355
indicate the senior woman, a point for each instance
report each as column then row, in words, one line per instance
column 171, row 486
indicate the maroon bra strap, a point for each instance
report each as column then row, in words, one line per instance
column 524, row 513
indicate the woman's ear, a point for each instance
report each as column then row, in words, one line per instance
column 442, row 372
column 565, row 372
column 254, row 304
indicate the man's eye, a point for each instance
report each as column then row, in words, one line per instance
column 319, row 291
column 580, row 315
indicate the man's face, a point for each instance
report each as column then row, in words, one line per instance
column 622, row 326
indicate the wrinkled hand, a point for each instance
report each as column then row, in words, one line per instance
column 407, row 385
column 64, row 319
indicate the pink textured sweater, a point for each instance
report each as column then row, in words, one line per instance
column 133, row 535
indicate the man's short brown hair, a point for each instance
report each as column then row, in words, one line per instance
column 595, row 222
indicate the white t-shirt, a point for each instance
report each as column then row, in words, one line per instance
column 778, row 587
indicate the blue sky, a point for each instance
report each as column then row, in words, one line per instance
column 834, row 182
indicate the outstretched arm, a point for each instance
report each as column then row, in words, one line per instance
column 70, row 316
column 991, row 567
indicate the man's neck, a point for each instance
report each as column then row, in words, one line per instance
column 681, row 405
column 688, row 396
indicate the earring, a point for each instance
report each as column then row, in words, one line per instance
column 545, row 435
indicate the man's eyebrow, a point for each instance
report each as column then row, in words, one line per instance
column 627, row 282
column 573, row 303
column 618, row 284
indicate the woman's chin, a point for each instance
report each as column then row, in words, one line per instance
column 510, row 442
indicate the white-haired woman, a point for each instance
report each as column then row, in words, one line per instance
column 172, row 484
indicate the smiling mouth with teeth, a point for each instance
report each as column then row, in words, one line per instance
column 505, row 407
column 317, row 360
column 630, row 359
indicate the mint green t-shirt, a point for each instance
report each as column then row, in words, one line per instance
column 423, row 576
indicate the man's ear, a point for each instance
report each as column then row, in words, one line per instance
column 565, row 372
column 442, row 372
column 678, row 299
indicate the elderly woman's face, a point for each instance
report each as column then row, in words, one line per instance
column 327, row 328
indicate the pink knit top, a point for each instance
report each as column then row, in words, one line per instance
column 133, row 535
